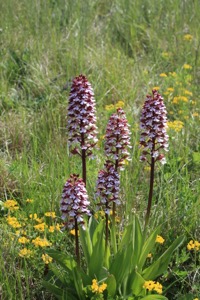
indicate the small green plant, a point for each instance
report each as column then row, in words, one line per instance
column 114, row 264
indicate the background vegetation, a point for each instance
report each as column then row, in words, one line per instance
column 125, row 48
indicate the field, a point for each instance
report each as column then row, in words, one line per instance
column 125, row 49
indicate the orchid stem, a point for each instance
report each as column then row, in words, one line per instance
column 151, row 184
column 77, row 243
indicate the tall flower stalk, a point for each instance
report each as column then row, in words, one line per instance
column 81, row 121
column 154, row 139
column 74, row 205
column 108, row 190
column 117, row 142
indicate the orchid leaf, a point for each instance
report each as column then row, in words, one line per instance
column 95, row 265
column 86, row 243
column 154, row 297
column 137, row 284
column 148, row 246
column 67, row 262
column 111, row 285
column 161, row 264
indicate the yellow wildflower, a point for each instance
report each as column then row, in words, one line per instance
column 186, row 92
column 73, row 232
column 96, row 288
column 153, row 286
column 12, row 221
column 46, row 259
column 163, row 75
column 33, row 216
column 158, row 287
column 195, row 114
column 51, row 229
column 183, row 98
column 193, row 245
column 175, row 125
column 40, row 227
column 159, row 239
column 156, row 88
column 29, row 200
column 25, row 252
column 109, row 107
column 58, row 226
column 188, row 37
column 98, row 214
column 187, row 67
column 11, row 205
column 38, row 242
column 39, row 220
column 54, row 227
column 51, row 214
column 119, row 104
column 23, row 240
column 149, row 255
column 170, row 89
column 179, row 98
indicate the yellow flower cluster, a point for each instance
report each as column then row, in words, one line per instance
column 11, row 205
column 188, row 37
column 46, row 259
column 175, row 125
column 12, row 221
column 55, row 227
column 40, row 227
column 119, row 104
column 159, row 239
column 38, row 242
column 187, row 67
column 163, row 75
column 50, row 214
column 186, row 92
column 96, row 288
column 193, row 245
column 25, row 252
column 33, row 216
column 178, row 99
column 23, row 240
column 153, row 286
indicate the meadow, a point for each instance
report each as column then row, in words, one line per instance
column 125, row 49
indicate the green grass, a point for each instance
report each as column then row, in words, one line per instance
column 122, row 46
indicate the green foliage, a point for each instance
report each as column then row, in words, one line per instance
column 124, row 272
